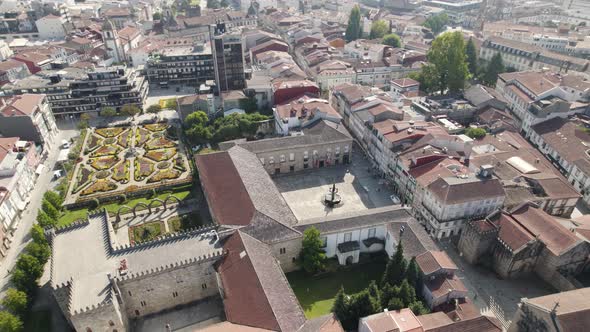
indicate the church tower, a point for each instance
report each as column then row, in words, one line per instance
column 112, row 42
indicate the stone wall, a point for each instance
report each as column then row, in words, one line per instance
column 107, row 317
column 288, row 257
column 154, row 292
column 474, row 244
column 553, row 268
column 509, row 264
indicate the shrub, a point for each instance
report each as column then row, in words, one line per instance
column 475, row 133
column 130, row 110
column 40, row 251
column 45, row 220
column 54, row 198
column 154, row 108
column 9, row 322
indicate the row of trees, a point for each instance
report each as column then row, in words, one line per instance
column 50, row 211
column 199, row 129
column 379, row 29
column 400, row 287
column 126, row 110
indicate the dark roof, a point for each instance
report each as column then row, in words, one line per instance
column 453, row 190
column 317, row 133
column 256, row 291
column 342, row 222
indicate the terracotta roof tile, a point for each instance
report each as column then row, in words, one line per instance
column 433, row 261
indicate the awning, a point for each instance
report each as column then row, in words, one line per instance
column 40, row 169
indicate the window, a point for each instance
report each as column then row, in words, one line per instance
column 305, row 166
column 305, row 156
column 347, row 237
column 282, row 158
column 174, row 294
column 111, row 323
column 204, row 286
column 271, row 160
column 142, row 303
column 372, row 232
column 324, row 241
column 136, row 312
column 291, row 156
column 282, row 251
column 129, row 293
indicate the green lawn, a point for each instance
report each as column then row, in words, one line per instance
column 184, row 222
column 70, row 216
column 316, row 294
column 147, row 231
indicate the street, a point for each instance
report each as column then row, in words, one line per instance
column 21, row 235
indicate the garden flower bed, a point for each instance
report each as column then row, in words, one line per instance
column 143, row 168
column 121, row 172
column 84, row 176
column 109, row 132
column 105, row 150
column 125, row 138
column 164, row 174
column 142, row 136
column 145, row 232
column 104, row 162
column 184, row 222
column 161, row 155
column 156, row 126
column 93, row 143
column 99, row 186
column 160, row 143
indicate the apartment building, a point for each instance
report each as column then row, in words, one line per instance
column 190, row 63
column 302, row 112
column 29, row 116
column 566, row 142
column 73, row 91
column 228, row 58
column 537, row 96
column 522, row 56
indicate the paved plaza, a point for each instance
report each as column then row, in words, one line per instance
column 360, row 189
column 492, row 295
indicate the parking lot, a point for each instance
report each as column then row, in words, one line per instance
column 359, row 189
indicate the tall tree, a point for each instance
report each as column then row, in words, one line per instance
column 395, row 270
column 418, row 308
column 379, row 29
column 471, row 54
column 428, row 77
column 354, row 24
column 50, row 209
column 375, row 294
column 45, row 220
column 447, row 54
column 41, row 251
column 9, row 322
column 38, row 234
column 388, row 293
column 312, row 255
column 407, row 293
column 340, row 306
column 392, row 40
column 437, row 23
column 54, row 198
column 413, row 275
column 361, row 305
column 494, row 68
column 15, row 301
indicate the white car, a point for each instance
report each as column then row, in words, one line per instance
column 395, row 199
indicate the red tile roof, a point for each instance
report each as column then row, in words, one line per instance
column 434, row 261
column 256, row 292
column 225, row 191
column 22, row 105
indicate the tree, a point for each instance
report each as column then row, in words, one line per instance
column 38, row 235
column 155, row 108
column 437, row 23
column 475, row 133
column 340, row 306
column 15, row 301
column 428, row 78
column 130, row 110
column 388, row 292
column 9, row 322
column 395, row 270
column 413, row 275
column 418, row 308
column 392, row 40
column 54, row 198
column 407, row 293
column 361, row 305
column 199, row 134
column 196, row 118
column 108, row 112
column 49, row 209
column 353, row 30
column 157, row 16
column 471, row 54
column 250, row 105
column 395, row 304
column 312, row 255
column 45, row 220
column 39, row 250
column 84, row 117
column 447, row 54
column 494, row 68
column 379, row 29
column 375, row 294
column 28, row 269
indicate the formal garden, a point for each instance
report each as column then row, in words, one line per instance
column 122, row 160
column 153, row 229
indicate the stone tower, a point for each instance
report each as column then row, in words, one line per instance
column 112, row 42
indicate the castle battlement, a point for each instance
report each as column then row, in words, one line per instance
column 72, row 226
column 175, row 265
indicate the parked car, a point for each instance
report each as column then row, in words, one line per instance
column 395, row 199
column 65, row 144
